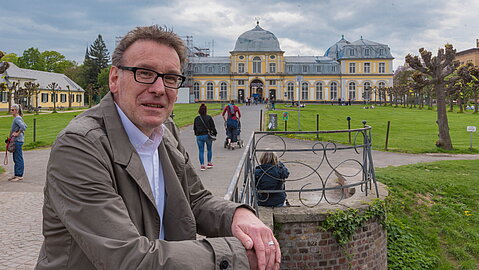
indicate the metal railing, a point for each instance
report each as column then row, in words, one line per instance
column 319, row 170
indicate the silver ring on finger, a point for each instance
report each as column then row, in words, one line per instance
column 270, row 243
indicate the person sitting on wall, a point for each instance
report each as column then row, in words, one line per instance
column 271, row 175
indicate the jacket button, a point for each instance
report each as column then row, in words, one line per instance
column 224, row 264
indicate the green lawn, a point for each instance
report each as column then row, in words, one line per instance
column 433, row 219
column 411, row 130
column 49, row 125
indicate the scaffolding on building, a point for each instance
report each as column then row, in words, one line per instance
column 192, row 51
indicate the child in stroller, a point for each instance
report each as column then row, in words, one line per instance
column 233, row 126
column 233, row 138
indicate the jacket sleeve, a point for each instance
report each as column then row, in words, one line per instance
column 19, row 124
column 284, row 171
column 81, row 193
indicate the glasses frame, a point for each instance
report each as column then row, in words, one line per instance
column 162, row 75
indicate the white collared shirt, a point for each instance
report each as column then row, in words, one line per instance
column 147, row 148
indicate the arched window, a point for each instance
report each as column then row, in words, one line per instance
column 304, row 91
column 367, row 91
column 209, row 90
column 319, row 91
column 290, row 91
column 196, row 90
column 334, row 90
column 382, row 85
column 352, row 90
column 223, row 91
column 257, row 64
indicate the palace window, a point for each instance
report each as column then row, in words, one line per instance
column 257, row 64
column 366, row 52
column 334, row 90
column 290, row 91
column 319, row 91
column 210, row 69
column 367, row 67
column 367, row 91
column 197, row 69
column 352, row 90
column 240, row 82
column 240, row 67
column 3, row 97
column 54, row 97
column 382, row 67
column 63, row 98
column 44, row 97
column 381, row 51
column 223, row 69
column 196, row 90
column 351, row 52
column 272, row 67
column 319, row 68
column 209, row 90
column 304, row 91
column 352, row 67
column 333, row 68
column 290, row 68
column 382, row 85
column 305, row 69
column 79, row 98
column 223, row 91
column 272, row 82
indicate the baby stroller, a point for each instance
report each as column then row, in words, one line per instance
column 233, row 132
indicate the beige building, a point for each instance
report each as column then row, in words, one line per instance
column 469, row 55
column 257, row 67
column 45, row 97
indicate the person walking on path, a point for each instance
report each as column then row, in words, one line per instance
column 231, row 114
column 270, row 175
column 17, row 133
column 203, row 126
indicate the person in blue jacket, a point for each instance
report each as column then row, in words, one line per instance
column 271, row 175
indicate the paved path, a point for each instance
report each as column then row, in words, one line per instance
column 21, row 202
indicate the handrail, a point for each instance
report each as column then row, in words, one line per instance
column 324, row 177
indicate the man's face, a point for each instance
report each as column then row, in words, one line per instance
column 146, row 105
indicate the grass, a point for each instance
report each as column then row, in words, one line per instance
column 433, row 219
column 411, row 130
column 49, row 125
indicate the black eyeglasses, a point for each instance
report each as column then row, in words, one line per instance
column 148, row 76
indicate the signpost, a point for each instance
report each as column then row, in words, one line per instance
column 471, row 129
column 299, row 79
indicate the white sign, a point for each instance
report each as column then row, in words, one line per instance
column 471, row 128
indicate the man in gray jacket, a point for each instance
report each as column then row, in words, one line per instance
column 121, row 192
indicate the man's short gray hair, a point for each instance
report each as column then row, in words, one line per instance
column 156, row 33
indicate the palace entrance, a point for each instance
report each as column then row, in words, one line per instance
column 256, row 89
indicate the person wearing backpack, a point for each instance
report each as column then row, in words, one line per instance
column 231, row 114
column 17, row 130
column 203, row 126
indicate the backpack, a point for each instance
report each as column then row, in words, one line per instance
column 231, row 111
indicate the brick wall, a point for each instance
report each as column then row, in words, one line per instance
column 304, row 245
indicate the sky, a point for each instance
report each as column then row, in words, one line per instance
column 304, row 28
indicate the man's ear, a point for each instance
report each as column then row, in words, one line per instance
column 113, row 79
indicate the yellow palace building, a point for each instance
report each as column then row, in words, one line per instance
column 257, row 67
column 44, row 99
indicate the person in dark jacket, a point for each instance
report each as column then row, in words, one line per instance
column 271, row 175
column 202, row 124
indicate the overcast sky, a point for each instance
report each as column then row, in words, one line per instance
column 302, row 27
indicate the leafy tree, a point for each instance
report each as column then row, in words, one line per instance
column 102, row 82
column 55, row 62
column 437, row 67
column 3, row 65
column 31, row 59
column 10, row 91
column 31, row 90
column 10, row 57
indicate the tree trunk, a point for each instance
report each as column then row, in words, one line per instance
column 459, row 103
column 475, row 103
column 444, row 140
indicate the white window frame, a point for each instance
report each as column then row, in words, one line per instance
column 382, row 68
column 352, row 67
column 210, row 91
column 257, row 64
column 272, row 67
column 367, row 67
column 290, row 91
column 223, row 91
column 304, row 91
column 319, row 90
column 333, row 89
column 196, row 90
column 352, row 90
column 240, row 67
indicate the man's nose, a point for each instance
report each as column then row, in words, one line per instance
column 158, row 87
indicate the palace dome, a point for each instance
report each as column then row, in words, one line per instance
column 257, row 39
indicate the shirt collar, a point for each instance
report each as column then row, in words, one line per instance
column 138, row 139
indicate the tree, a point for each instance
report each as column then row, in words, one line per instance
column 3, row 64
column 96, row 59
column 9, row 57
column 31, row 89
column 10, row 91
column 31, row 59
column 102, row 82
column 54, row 87
column 437, row 67
column 55, row 62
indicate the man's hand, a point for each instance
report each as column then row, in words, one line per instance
column 258, row 240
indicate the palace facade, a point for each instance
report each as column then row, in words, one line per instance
column 257, row 67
